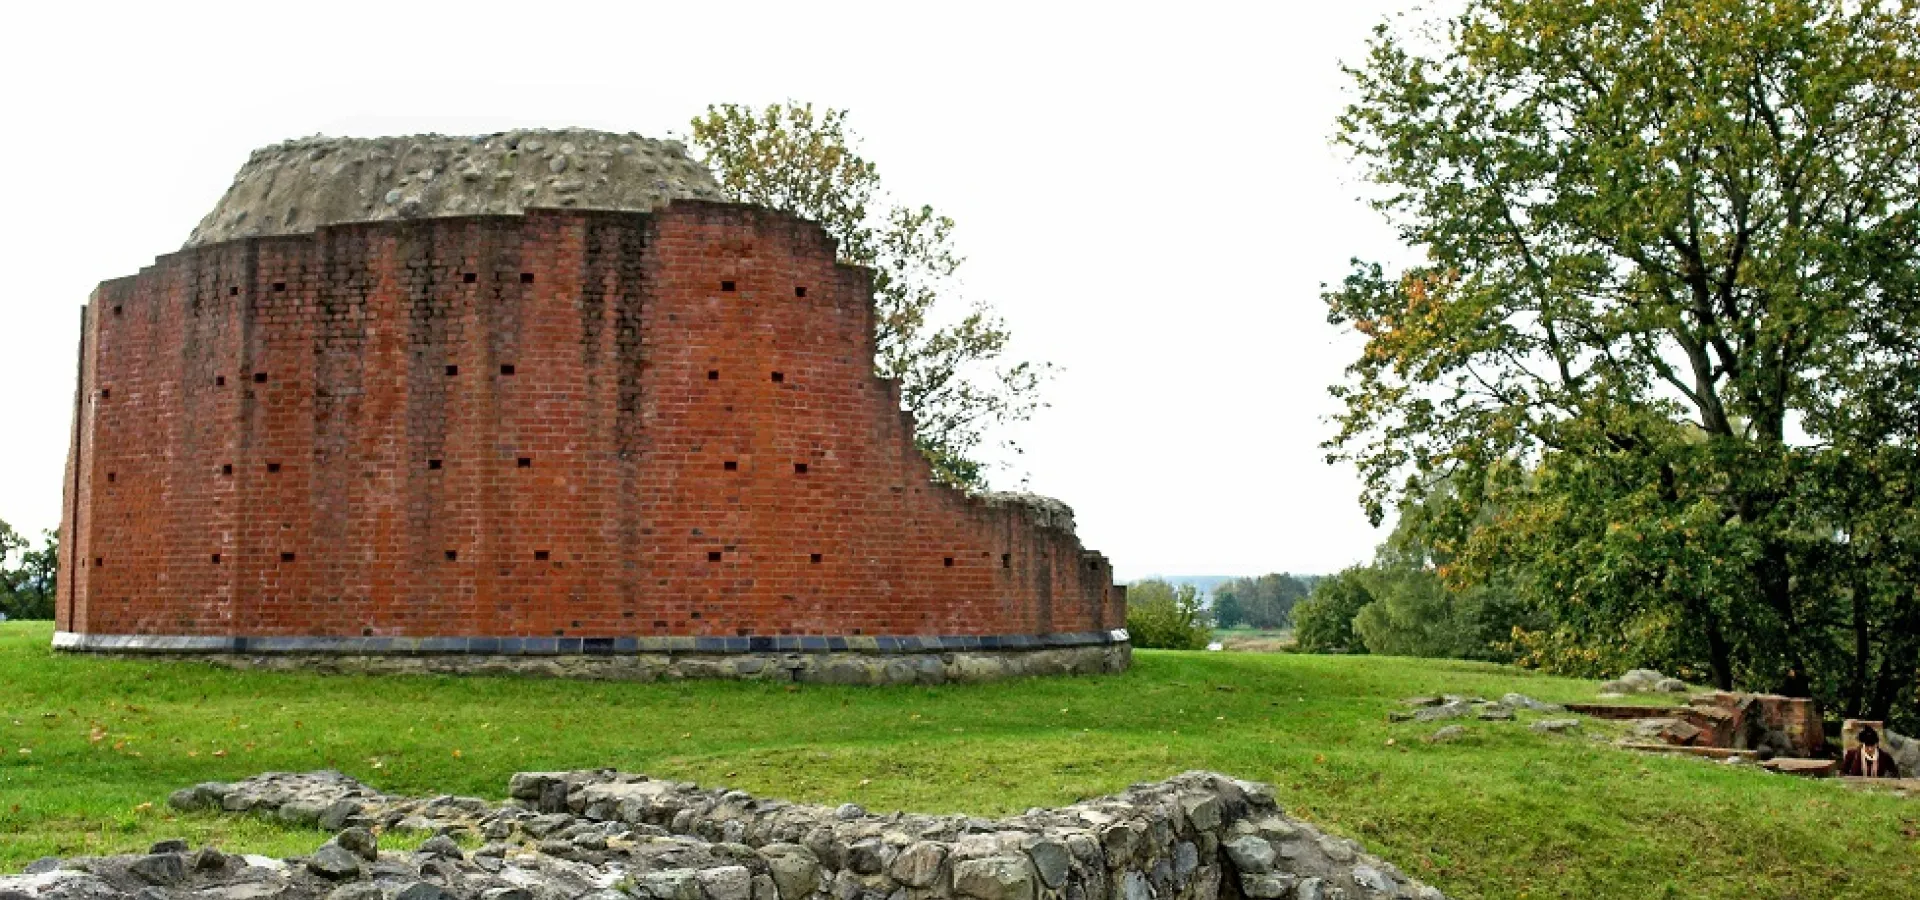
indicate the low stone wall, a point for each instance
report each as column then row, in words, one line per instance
column 605, row 835
column 928, row 660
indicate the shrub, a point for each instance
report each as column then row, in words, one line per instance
column 1323, row 623
column 1161, row 616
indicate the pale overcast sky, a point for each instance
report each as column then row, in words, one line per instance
column 1150, row 197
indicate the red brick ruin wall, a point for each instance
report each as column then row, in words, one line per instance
column 567, row 423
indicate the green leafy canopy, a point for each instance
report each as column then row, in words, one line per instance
column 1660, row 344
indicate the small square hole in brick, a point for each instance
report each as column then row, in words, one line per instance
column 524, row 462
column 815, row 559
column 779, row 377
column 1006, row 560
column 112, row 477
column 453, row 556
column 799, row 468
column 98, row 562
column 286, row 557
column 713, row 556
column 713, row 374
column 105, row 393
column 433, row 464
column 259, row 378
column 226, row 469
column 949, row 561
column 799, row 292
column 233, row 292
column 116, row 310
column 219, row 381
column 273, row 467
column 216, row 559
column 526, row 277
column 279, row 285
column 542, row 555
column 453, row 370
column 726, row 285
column 469, row 277
column 506, row 369
column 732, row 465
column 366, row 632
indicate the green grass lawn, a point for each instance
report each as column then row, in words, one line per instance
column 90, row 748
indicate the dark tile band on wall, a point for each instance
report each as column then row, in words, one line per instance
column 571, row 646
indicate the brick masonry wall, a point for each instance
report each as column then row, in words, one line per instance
column 563, row 424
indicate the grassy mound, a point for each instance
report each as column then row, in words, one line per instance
column 90, row 747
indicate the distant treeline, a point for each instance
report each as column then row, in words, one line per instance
column 27, row 576
column 1263, row 602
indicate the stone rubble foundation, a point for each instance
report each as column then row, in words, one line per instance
column 607, row 835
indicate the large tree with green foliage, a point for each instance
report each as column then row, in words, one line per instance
column 1664, row 324
column 953, row 377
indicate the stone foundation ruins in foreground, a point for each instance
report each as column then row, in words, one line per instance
column 604, row 835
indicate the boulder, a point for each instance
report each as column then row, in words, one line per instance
column 994, row 878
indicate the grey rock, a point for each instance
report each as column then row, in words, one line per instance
column 795, row 871
column 1251, row 854
column 360, row 842
column 846, row 886
column 43, row 865
column 1202, row 810
column 863, row 857
column 994, row 878
column 334, row 861
column 1449, row 733
column 335, row 816
column 1133, row 886
column 357, row 890
column 443, row 846
column 422, row 890
column 1496, row 714
column 1310, row 889
column 1266, row 887
column 1452, row 709
column 1555, row 726
column 159, row 868
column 847, row 812
column 727, row 883
column 207, row 859
column 764, row 888
column 1670, row 686
column 918, row 865
column 269, row 888
column 1186, row 860
column 1051, row 861
column 1373, row 879
column 671, row 884
column 506, row 893
column 1522, row 701
column 171, row 845
column 541, row 826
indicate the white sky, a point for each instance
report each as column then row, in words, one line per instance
column 1151, row 199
